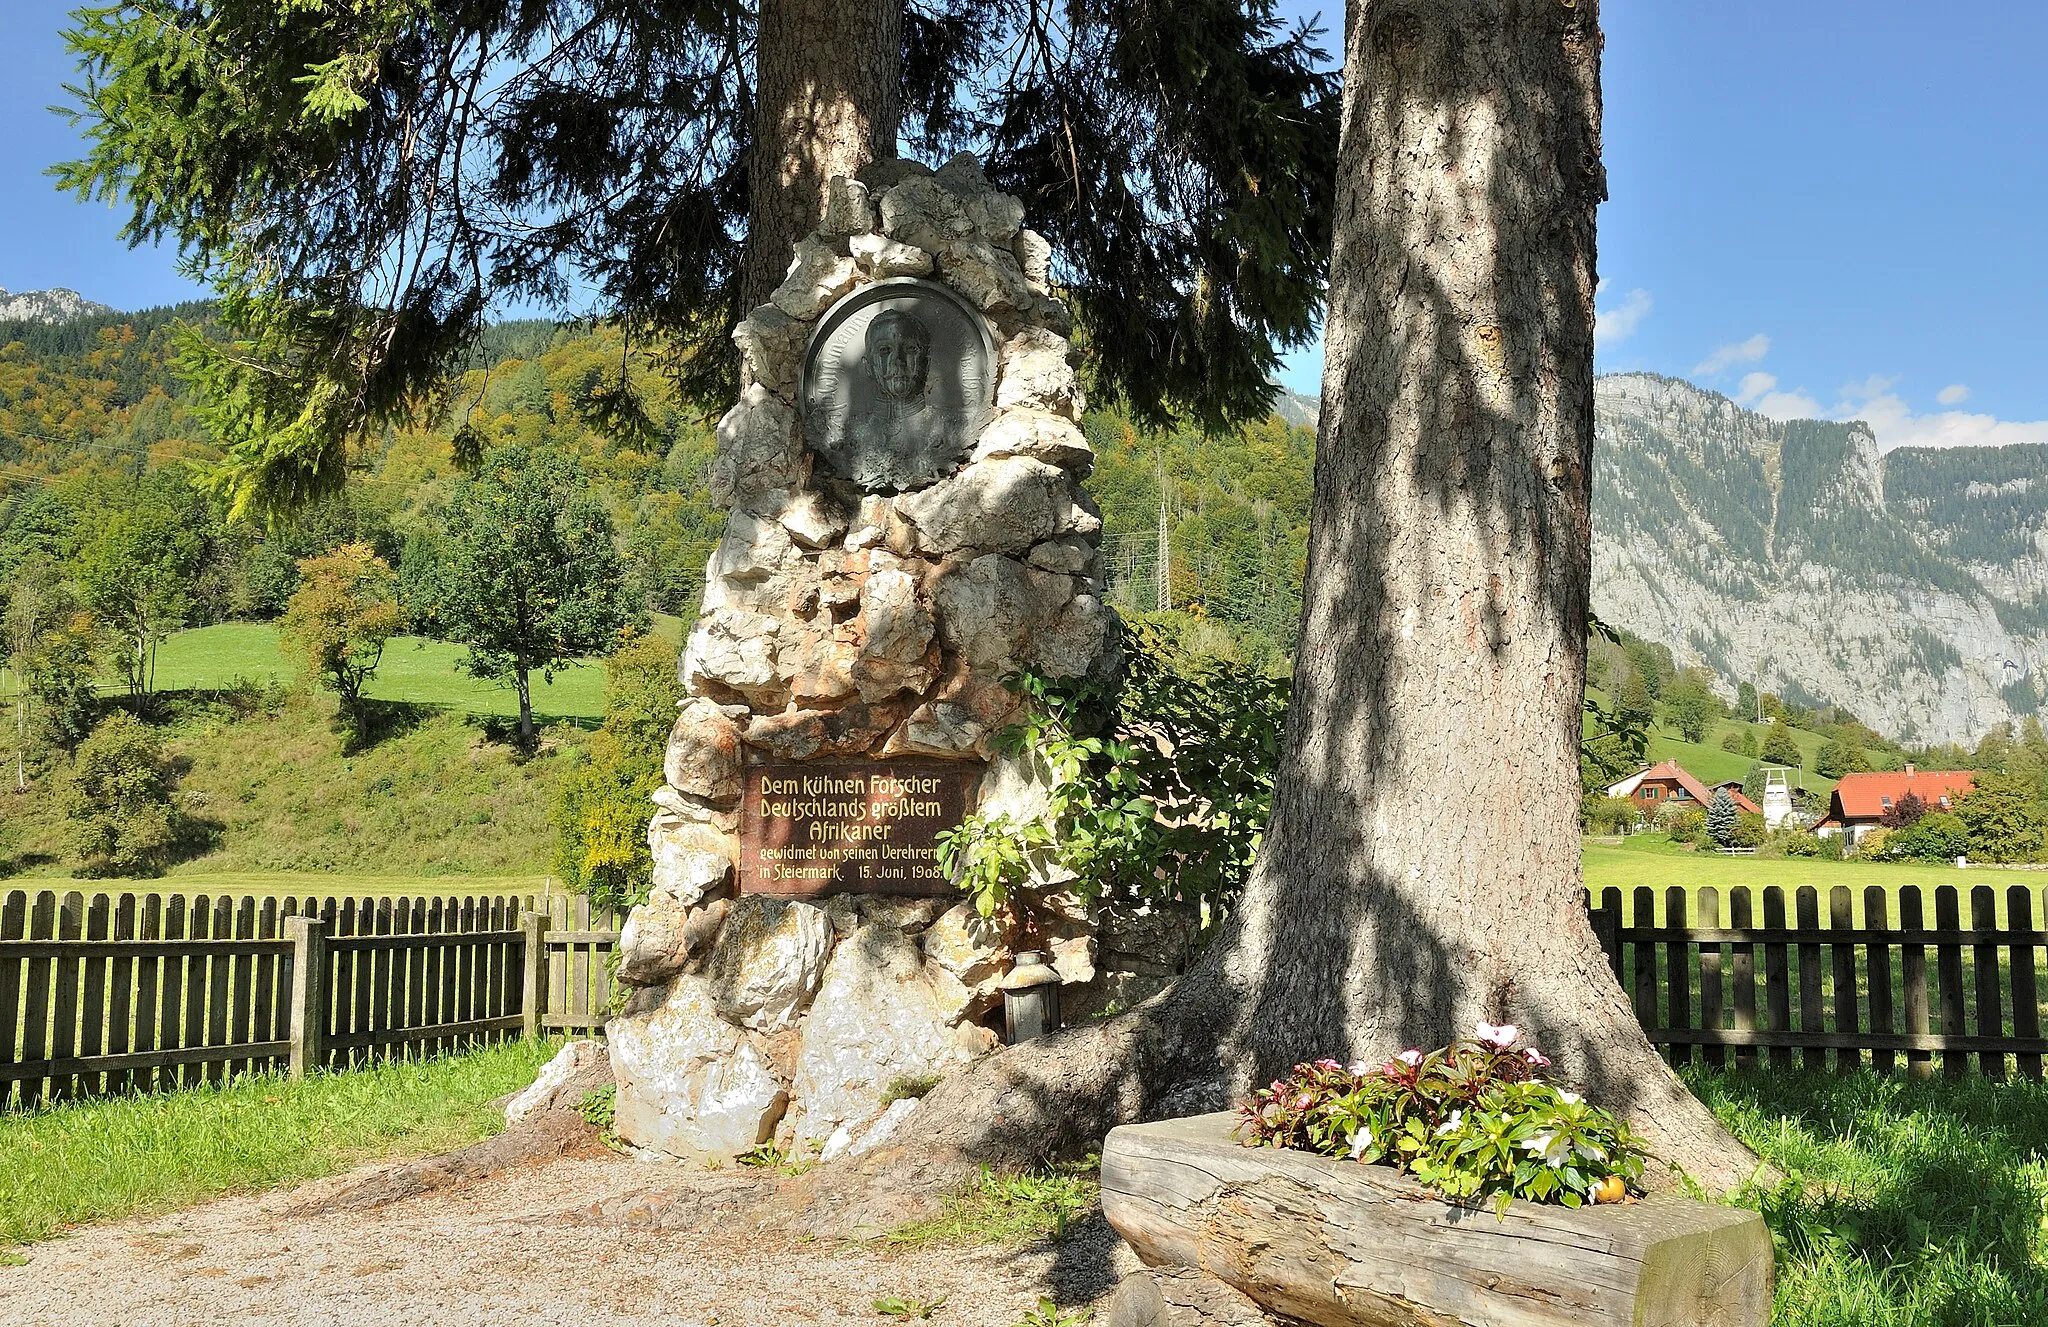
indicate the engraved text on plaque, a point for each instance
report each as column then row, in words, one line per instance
column 858, row 827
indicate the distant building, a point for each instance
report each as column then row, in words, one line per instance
column 1668, row 784
column 1860, row 801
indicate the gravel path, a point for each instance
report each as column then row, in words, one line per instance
column 595, row 1242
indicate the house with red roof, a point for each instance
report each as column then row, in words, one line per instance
column 1668, row 784
column 1861, row 801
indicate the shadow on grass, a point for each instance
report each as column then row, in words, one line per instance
column 1904, row 1201
column 384, row 720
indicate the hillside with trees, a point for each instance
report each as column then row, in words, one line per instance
column 113, row 542
column 1909, row 587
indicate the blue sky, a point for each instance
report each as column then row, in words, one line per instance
column 1820, row 208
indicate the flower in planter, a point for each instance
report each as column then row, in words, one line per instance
column 1472, row 1120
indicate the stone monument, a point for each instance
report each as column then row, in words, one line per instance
column 906, row 530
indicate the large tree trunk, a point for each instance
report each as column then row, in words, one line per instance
column 1421, row 867
column 828, row 95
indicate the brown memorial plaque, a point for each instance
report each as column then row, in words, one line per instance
column 852, row 827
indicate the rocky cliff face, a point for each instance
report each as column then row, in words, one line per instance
column 1910, row 587
column 56, row 305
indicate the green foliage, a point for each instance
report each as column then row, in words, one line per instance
column 338, row 621
column 1046, row 1313
column 1735, row 739
column 1684, row 825
column 1937, row 836
column 600, row 815
column 1749, row 831
column 1638, row 704
column 362, row 182
column 1612, row 741
column 1722, row 817
column 599, row 1106
column 2005, row 818
column 118, row 800
column 896, row 1306
column 1473, row 1121
column 1779, row 748
column 1837, row 757
column 1608, row 815
column 1804, row 843
column 909, row 1088
column 1009, row 1207
column 136, row 574
column 1895, row 1201
column 1160, row 795
column 1690, row 706
column 51, row 646
column 528, row 577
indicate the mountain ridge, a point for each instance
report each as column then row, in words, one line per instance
column 58, row 304
column 1910, row 586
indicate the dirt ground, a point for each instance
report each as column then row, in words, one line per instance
column 592, row 1241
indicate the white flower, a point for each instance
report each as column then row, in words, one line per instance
column 1569, row 1098
column 1358, row 1068
column 1361, row 1139
column 1450, row 1125
column 1590, row 1151
column 1500, row 1037
column 1554, row 1150
column 1410, row 1058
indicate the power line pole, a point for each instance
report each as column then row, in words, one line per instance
column 1165, row 570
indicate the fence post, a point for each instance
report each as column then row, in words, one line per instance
column 534, row 990
column 309, row 994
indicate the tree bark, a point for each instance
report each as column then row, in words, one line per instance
column 1420, row 870
column 828, row 95
column 525, row 688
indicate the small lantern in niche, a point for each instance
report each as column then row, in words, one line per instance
column 1031, row 998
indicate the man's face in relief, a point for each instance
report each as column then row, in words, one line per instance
column 896, row 357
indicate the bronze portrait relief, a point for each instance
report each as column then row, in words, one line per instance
column 897, row 382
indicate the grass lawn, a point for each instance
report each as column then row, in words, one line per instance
column 196, row 880
column 1653, row 860
column 1904, row 1204
column 414, row 670
column 100, row 1160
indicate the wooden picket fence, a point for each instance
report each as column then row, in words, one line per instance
column 106, row 994
column 1861, row 989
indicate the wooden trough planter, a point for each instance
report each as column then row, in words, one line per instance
column 1333, row 1243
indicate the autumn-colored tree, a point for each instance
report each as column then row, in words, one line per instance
column 338, row 621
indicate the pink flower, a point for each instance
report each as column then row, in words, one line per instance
column 1358, row 1068
column 1328, row 1065
column 1537, row 1059
column 1501, row 1037
column 1410, row 1058
column 1304, row 1101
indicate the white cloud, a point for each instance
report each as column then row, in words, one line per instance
column 1759, row 391
column 1895, row 425
column 1789, row 405
column 1613, row 326
column 1728, row 356
column 1754, row 387
column 1875, row 401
